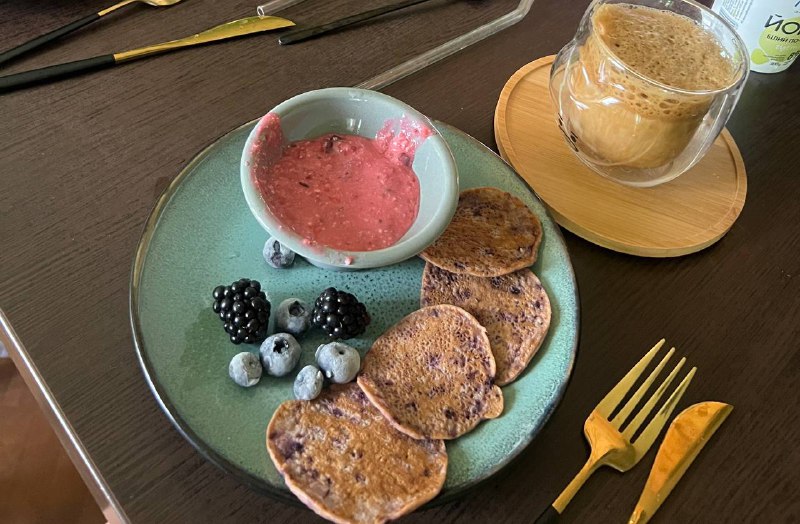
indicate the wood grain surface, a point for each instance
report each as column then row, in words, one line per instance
column 83, row 161
column 674, row 219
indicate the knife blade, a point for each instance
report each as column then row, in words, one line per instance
column 686, row 436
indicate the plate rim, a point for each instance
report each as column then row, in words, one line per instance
column 255, row 483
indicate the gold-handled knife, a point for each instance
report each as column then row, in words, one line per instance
column 685, row 437
column 242, row 27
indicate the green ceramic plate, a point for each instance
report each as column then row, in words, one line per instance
column 201, row 234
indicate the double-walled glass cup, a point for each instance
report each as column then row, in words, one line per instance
column 628, row 126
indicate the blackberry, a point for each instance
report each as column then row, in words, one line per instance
column 244, row 310
column 340, row 314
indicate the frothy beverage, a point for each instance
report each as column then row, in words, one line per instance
column 641, row 85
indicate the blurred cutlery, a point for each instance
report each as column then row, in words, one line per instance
column 77, row 24
column 244, row 26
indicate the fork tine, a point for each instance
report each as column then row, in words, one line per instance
column 652, row 430
column 634, row 400
column 651, row 402
column 610, row 401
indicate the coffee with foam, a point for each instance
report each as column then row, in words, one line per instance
column 642, row 83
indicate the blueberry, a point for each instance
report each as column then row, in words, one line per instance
column 293, row 316
column 245, row 369
column 308, row 384
column 277, row 255
column 339, row 362
column 279, row 354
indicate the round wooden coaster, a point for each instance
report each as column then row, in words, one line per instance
column 679, row 217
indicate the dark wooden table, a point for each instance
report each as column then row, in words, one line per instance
column 83, row 161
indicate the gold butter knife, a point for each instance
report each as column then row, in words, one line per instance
column 242, row 27
column 685, row 437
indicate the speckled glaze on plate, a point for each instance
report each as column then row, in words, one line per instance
column 202, row 234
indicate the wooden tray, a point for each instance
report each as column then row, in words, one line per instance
column 680, row 217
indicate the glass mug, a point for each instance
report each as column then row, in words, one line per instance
column 629, row 121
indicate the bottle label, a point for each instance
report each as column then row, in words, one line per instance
column 770, row 30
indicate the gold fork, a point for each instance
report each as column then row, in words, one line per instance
column 612, row 445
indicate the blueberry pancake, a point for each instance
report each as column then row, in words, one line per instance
column 514, row 309
column 492, row 233
column 343, row 459
column 432, row 374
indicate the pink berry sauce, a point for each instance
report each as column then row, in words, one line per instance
column 342, row 191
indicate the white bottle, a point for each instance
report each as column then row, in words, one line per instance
column 770, row 30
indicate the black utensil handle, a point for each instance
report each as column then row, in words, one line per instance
column 35, row 76
column 49, row 37
column 301, row 35
column 548, row 516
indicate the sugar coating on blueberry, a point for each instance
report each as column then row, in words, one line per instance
column 308, row 384
column 245, row 369
column 280, row 354
column 339, row 362
column 277, row 255
column 293, row 316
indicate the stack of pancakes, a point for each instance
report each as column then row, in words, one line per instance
column 374, row 451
